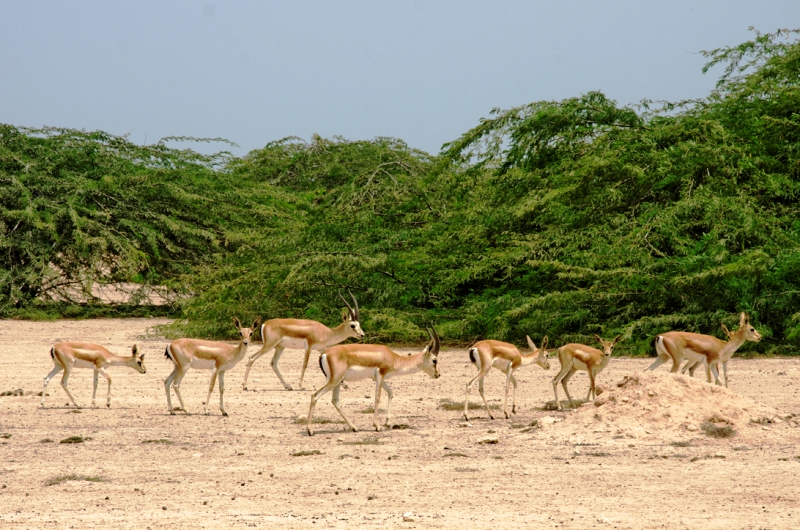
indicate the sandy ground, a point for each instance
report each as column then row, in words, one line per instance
column 637, row 461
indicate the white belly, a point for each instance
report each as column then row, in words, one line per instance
column 202, row 364
column 693, row 355
column 358, row 373
column 501, row 364
column 293, row 343
column 80, row 363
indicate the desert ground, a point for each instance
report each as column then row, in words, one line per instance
column 639, row 460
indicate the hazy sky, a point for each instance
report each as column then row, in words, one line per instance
column 422, row 71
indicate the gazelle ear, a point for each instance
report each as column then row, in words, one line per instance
column 345, row 315
column 135, row 350
column 743, row 319
column 616, row 339
column 531, row 344
column 141, row 357
column 237, row 323
column 544, row 342
column 597, row 338
column 256, row 322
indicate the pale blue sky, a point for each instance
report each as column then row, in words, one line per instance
column 425, row 72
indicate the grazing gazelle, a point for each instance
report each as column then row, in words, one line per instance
column 677, row 345
column 205, row 355
column 280, row 333
column 576, row 357
column 69, row 355
column 488, row 354
column 354, row 362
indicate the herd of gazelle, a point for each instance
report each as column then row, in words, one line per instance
column 354, row 362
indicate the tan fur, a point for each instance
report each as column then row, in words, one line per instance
column 705, row 349
column 69, row 355
column 574, row 357
column 360, row 361
column 317, row 336
column 205, row 354
column 506, row 358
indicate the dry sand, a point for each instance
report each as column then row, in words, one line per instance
column 639, row 460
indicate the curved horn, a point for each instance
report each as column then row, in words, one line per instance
column 352, row 312
column 435, row 338
column 358, row 314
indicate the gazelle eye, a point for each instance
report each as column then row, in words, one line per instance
column 434, row 362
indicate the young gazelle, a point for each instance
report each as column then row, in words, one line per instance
column 280, row 333
column 705, row 349
column 576, row 357
column 69, row 355
column 488, row 354
column 205, row 355
column 353, row 362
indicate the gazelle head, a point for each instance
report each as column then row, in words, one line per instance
column 352, row 317
column 750, row 332
column 430, row 355
column 608, row 345
column 137, row 360
column 541, row 359
column 245, row 333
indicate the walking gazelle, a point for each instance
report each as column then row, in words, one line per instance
column 354, row 362
column 69, row 355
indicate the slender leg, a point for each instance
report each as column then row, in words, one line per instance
column 314, row 399
column 57, row 368
column 305, row 364
column 564, row 382
column 221, row 392
column 108, row 378
column 275, row 358
column 481, row 374
column 253, row 358
column 514, row 398
column 167, row 383
column 592, row 391
column 389, row 401
column 565, row 369
column 177, row 387
column 658, row 362
column 508, row 385
column 65, row 380
column 713, row 369
column 335, row 401
column 725, row 372
column 211, row 384
column 94, row 389
column 378, row 385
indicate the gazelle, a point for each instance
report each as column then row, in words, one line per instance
column 488, row 354
column 280, row 333
column 354, row 362
column 576, row 357
column 205, row 355
column 69, row 355
column 677, row 345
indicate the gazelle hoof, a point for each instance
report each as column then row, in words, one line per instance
column 224, row 413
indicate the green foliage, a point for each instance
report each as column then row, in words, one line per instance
column 561, row 218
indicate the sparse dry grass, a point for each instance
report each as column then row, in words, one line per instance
column 75, row 440
column 64, row 478
column 163, row 441
column 717, row 431
column 307, row 453
column 448, row 404
column 366, row 441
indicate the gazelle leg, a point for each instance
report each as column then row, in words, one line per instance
column 725, row 372
column 557, row 379
column 482, row 371
column 108, row 378
column 94, row 388
column 275, row 358
column 335, row 401
column 508, row 385
column 167, row 384
column 389, row 400
column 57, row 368
column 514, row 398
column 713, row 369
column 221, row 392
column 211, row 384
column 592, row 390
column 378, row 386
column 253, row 358
column 65, row 381
column 177, row 387
column 306, row 355
column 564, row 382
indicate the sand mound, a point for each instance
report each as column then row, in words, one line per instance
column 652, row 404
